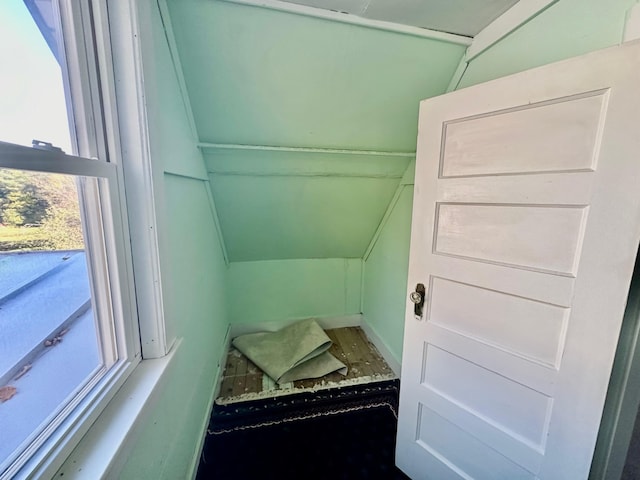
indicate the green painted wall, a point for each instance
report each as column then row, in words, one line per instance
column 283, row 205
column 167, row 440
column 567, row 29
column 261, row 77
column 385, row 276
column 174, row 143
column 192, row 269
column 293, row 289
column 299, row 217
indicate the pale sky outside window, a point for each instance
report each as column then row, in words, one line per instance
column 32, row 102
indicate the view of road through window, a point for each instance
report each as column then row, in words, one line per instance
column 48, row 342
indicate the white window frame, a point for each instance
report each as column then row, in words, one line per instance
column 119, row 343
column 104, row 55
column 109, row 97
column 119, row 28
column 105, row 97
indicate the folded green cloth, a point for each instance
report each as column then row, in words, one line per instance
column 293, row 353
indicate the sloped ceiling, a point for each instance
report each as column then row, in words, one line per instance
column 268, row 78
column 263, row 77
column 284, row 205
column 462, row 17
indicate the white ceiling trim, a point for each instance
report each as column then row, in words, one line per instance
column 512, row 19
column 632, row 24
column 165, row 17
column 216, row 221
column 516, row 16
column 354, row 20
column 458, row 74
column 333, row 151
column 408, row 178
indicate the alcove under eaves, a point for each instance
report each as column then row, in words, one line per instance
column 307, row 128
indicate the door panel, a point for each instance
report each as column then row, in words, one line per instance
column 525, row 229
column 500, row 401
column 505, row 234
column 531, row 329
column 448, row 441
column 559, row 142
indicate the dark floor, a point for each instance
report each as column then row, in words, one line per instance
column 342, row 434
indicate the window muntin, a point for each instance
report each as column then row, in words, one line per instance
column 109, row 324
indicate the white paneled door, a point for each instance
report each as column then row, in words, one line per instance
column 526, row 223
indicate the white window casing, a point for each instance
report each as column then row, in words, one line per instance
column 144, row 189
column 105, row 101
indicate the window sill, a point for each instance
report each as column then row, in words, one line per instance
column 101, row 449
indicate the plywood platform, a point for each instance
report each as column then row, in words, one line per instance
column 244, row 381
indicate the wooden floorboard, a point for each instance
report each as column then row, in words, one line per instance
column 243, row 380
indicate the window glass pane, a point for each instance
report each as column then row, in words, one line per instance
column 48, row 335
column 60, row 334
column 32, row 104
column 49, row 348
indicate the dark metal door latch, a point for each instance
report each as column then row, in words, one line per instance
column 417, row 297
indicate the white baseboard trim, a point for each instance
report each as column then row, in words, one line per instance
column 222, row 361
column 391, row 360
column 195, row 462
column 324, row 322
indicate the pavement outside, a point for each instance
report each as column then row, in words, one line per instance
column 42, row 294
